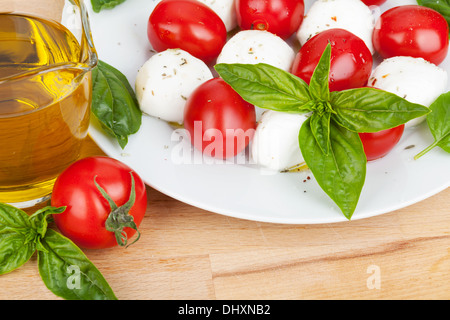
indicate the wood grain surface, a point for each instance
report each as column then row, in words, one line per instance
column 188, row 253
column 47, row 8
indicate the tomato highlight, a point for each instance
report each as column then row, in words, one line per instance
column 412, row 30
column 188, row 25
column 378, row 144
column 373, row 2
column 281, row 17
column 351, row 60
column 221, row 124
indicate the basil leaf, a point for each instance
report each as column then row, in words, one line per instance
column 99, row 5
column 441, row 6
column 372, row 110
column 15, row 251
column 267, row 87
column 39, row 218
column 341, row 172
column 114, row 103
column 16, row 238
column 68, row 273
column 12, row 218
column 318, row 85
column 439, row 124
column 439, row 121
column 320, row 128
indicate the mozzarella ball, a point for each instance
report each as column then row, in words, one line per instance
column 166, row 80
column 351, row 15
column 257, row 46
column 225, row 10
column 275, row 143
column 413, row 79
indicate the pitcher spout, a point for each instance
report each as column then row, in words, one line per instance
column 75, row 18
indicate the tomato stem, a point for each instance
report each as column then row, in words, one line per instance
column 119, row 217
column 259, row 25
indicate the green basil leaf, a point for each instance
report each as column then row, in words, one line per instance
column 441, row 6
column 267, row 87
column 15, row 251
column 318, row 85
column 99, row 5
column 320, row 128
column 340, row 173
column 439, row 121
column 372, row 110
column 439, row 124
column 39, row 218
column 68, row 273
column 13, row 218
column 16, row 238
column 114, row 103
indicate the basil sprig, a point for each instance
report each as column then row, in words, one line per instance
column 99, row 5
column 114, row 103
column 439, row 124
column 328, row 139
column 64, row 268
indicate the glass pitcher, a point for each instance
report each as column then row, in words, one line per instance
column 46, row 55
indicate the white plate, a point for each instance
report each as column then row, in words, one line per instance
column 244, row 190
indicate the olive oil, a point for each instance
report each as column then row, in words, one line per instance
column 45, row 99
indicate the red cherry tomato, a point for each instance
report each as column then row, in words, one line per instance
column 378, row 144
column 412, row 30
column 373, row 2
column 351, row 60
column 84, row 220
column 188, row 25
column 281, row 17
column 221, row 124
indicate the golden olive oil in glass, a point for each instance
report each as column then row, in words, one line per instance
column 44, row 105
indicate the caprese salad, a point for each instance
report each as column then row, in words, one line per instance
column 340, row 80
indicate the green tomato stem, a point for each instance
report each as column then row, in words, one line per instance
column 119, row 217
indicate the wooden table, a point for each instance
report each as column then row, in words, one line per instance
column 189, row 253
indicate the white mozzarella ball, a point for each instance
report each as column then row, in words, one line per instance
column 166, row 80
column 275, row 143
column 257, row 46
column 225, row 10
column 413, row 79
column 351, row 15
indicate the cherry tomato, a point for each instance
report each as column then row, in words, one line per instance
column 84, row 220
column 412, row 30
column 351, row 60
column 221, row 124
column 281, row 17
column 378, row 144
column 373, row 2
column 188, row 25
